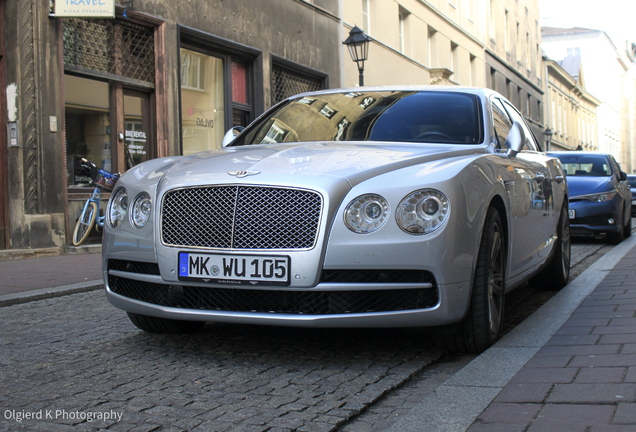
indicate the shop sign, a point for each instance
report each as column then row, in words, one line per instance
column 85, row 8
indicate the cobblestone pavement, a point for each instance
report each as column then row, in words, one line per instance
column 69, row 358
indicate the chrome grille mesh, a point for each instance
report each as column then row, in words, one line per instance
column 241, row 217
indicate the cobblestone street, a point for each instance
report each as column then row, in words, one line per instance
column 76, row 355
column 75, row 358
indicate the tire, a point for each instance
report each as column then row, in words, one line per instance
column 84, row 223
column 628, row 229
column 482, row 325
column 163, row 325
column 620, row 236
column 557, row 274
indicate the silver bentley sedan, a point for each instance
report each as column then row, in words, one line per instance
column 365, row 207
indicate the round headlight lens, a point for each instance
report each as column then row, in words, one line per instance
column 141, row 209
column 117, row 207
column 423, row 211
column 366, row 213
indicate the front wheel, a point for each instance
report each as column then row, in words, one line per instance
column 85, row 223
column 482, row 325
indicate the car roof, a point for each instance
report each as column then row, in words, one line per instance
column 583, row 153
column 478, row 91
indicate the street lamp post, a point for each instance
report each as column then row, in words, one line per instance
column 358, row 44
column 547, row 133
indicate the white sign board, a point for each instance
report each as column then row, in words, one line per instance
column 85, row 8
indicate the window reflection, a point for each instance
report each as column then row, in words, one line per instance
column 202, row 102
column 401, row 116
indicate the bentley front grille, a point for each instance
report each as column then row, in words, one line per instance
column 241, row 217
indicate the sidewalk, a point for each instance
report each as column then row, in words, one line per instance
column 31, row 279
column 571, row 366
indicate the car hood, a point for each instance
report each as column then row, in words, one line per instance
column 354, row 162
column 579, row 185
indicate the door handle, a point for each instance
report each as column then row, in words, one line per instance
column 540, row 177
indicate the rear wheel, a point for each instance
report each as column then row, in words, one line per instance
column 482, row 325
column 556, row 275
column 85, row 223
column 163, row 325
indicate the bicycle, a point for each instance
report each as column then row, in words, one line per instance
column 89, row 215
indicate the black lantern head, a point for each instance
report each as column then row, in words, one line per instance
column 358, row 44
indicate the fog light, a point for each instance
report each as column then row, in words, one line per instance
column 611, row 221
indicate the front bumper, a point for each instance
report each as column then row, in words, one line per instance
column 592, row 218
column 392, row 298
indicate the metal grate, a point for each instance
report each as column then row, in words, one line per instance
column 287, row 83
column 267, row 301
column 110, row 46
column 241, row 217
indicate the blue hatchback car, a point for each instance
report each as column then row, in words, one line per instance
column 631, row 179
column 599, row 195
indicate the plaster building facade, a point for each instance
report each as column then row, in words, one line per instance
column 417, row 42
column 570, row 111
column 160, row 78
column 513, row 57
column 605, row 72
column 482, row 43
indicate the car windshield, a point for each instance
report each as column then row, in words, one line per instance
column 632, row 182
column 403, row 116
column 585, row 165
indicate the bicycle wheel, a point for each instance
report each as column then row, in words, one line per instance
column 85, row 223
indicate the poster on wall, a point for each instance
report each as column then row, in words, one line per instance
column 85, row 8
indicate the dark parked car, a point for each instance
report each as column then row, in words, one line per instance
column 631, row 179
column 599, row 195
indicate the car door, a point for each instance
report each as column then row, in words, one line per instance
column 622, row 185
column 532, row 199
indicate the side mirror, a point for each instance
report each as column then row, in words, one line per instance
column 515, row 140
column 231, row 134
column 622, row 176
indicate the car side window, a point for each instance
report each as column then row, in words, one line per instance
column 529, row 145
column 501, row 123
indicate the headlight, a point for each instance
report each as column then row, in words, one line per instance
column 366, row 213
column 602, row 197
column 117, row 207
column 141, row 208
column 423, row 211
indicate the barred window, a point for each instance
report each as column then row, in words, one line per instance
column 114, row 47
column 287, row 83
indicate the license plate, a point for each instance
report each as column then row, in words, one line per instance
column 234, row 269
column 572, row 214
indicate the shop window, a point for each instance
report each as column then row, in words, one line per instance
column 136, row 131
column 87, row 118
column 202, row 102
